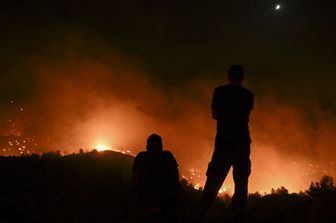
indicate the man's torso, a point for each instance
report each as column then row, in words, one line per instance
column 233, row 104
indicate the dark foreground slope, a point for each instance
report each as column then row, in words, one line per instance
column 87, row 187
column 95, row 187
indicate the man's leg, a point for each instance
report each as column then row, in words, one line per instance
column 241, row 173
column 216, row 175
column 169, row 215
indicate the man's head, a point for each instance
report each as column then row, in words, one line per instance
column 236, row 74
column 154, row 143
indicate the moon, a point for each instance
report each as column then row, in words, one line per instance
column 277, row 7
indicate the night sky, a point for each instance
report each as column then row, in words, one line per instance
column 81, row 72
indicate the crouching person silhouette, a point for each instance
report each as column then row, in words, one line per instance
column 156, row 183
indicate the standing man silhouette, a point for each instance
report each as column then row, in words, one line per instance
column 231, row 107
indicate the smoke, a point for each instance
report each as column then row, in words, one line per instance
column 75, row 101
column 292, row 143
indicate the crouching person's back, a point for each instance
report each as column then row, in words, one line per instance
column 156, row 183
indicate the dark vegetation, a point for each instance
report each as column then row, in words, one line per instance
column 95, row 187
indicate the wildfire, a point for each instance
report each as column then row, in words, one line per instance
column 102, row 147
column 108, row 147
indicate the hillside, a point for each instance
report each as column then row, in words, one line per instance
column 87, row 187
column 95, row 187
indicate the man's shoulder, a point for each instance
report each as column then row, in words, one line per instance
column 247, row 91
column 141, row 155
column 164, row 153
column 169, row 156
column 230, row 87
column 139, row 160
column 167, row 153
column 222, row 87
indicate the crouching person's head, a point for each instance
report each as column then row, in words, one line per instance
column 154, row 143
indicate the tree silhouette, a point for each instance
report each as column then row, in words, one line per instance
column 323, row 200
column 325, row 186
column 282, row 191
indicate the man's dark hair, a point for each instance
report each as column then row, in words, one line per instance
column 236, row 73
column 154, row 142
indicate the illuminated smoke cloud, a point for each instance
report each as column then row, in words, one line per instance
column 105, row 99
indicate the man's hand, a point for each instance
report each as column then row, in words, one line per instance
column 215, row 113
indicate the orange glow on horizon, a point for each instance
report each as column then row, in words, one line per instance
column 102, row 147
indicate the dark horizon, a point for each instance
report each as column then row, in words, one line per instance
column 82, row 187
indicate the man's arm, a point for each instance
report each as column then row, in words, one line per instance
column 173, row 166
column 215, row 113
column 252, row 102
column 175, row 179
column 136, row 170
column 214, row 105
